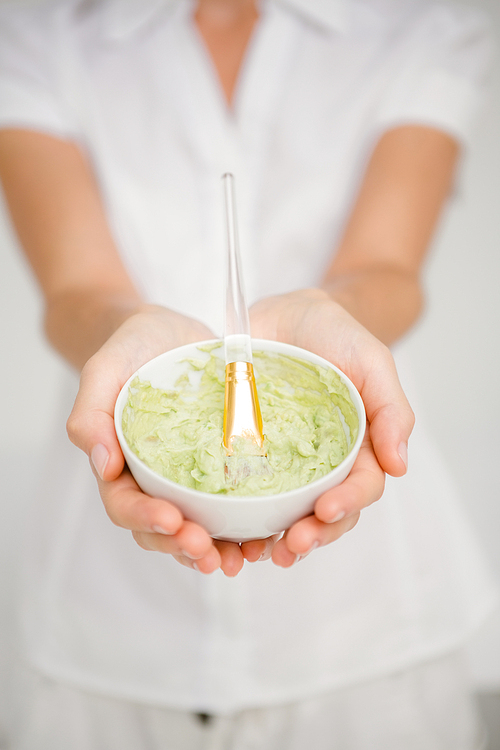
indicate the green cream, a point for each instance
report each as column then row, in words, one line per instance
column 178, row 433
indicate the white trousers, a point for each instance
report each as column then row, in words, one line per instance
column 426, row 708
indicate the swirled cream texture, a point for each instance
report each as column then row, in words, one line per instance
column 305, row 409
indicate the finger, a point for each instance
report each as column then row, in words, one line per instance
column 307, row 535
column 364, row 485
column 206, row 565
column 282, row 556
column 259, row 549
column 188, row 544
column 231, row 557
column 130, row 508
column 90, row 425
column 389, row 414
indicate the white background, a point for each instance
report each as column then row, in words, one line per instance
column 455, row 351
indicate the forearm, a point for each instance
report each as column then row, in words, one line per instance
column 57, row 212
column 375, row 274
column 386, row 300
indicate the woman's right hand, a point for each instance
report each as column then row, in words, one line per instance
column 156, row 524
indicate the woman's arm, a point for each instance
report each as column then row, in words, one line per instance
column 375, row 274
column 58, row 215
column 97, row 320
column 370, row 296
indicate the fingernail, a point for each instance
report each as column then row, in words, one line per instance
column 403, row 453
column 99, row 457
column 159, row 530
column 311, row 548
column 353, row 522
column 195, row 567
column 340, row 515
column 188, row 554
column 266, row 554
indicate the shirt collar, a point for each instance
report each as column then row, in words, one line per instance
column 122, row 18
column 329, row 14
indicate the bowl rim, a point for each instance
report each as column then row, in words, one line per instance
column 233, row 498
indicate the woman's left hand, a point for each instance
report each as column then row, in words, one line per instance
column 312, row 320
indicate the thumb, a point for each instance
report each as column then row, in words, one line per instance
column 91, row 425
column 390, row 415
column 390, row 430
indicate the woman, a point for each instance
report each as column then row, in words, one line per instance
column 343, row 125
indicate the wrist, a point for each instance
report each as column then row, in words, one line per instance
column 78, row 322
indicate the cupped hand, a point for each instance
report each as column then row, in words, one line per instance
column 156, row 524
column 312, row 320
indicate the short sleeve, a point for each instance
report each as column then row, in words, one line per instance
column 30, row 92
column 443, row 63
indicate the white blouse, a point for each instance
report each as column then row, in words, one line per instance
column 132, row 83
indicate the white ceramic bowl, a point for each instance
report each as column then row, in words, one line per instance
column 233, row 517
